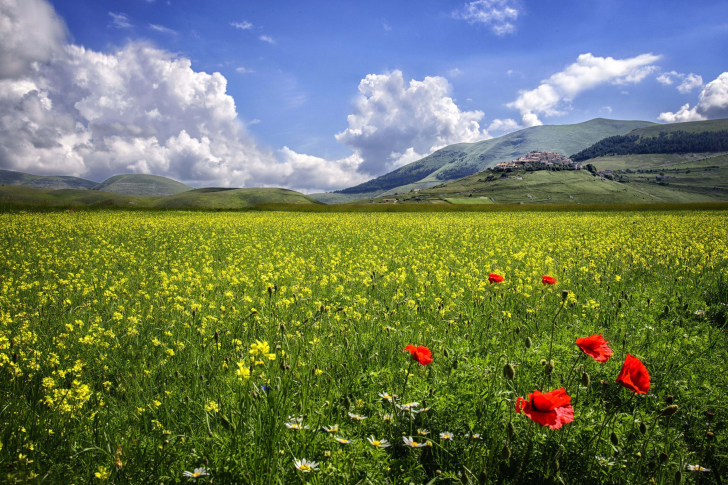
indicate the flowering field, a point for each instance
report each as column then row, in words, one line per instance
column 363, row 348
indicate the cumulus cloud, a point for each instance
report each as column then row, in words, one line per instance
column 30, row 31
column 393, row 119
column 504, row 126
column 712, row 103
column 267, row 38
column 586, row 73
column 499, row 15
column 688, row 82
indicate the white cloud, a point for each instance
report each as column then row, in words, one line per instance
column 454, row 72
column 497, row 14
column 691, row 81
column 244, row 25
column 163, row 29
column 312, row 174
column 391, row 117
column 712, row 103
column 244, row 70
column 119, row 21
column 688, row 81
column 30, row 31
column 386, row 27
column 586, row 73
column 266, row 38
column 504, row 126
column 606, row 109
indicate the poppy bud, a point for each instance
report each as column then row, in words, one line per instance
column 187, row 399
column 509, row 372
column 445, row 353
column 669, row 399
column 510, row 429
column 585, row 379
column 613, row 438
column 528, row 342
column 346, row 341
column 663, row 457
column 270, row 291
column 549, row 367
column 669, row 410
column 506, row 452
column 648, row 302
column 518, row 330
column 543, row 362
column 709, row 435
column 564, row 294
column 217, row 336
column 643, row 428
column 667, row 309
column 15, row 358
column 678, row 477
column 455, row 364
column 710, row 415
column 176, row 373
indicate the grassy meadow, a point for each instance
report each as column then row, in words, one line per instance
column 138, row 346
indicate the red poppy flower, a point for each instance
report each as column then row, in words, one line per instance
column 552, row 409
column 421, row 354
column 495, row 278
column 548, row 280
column 596, row 347
column 634, row 375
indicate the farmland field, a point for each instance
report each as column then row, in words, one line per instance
column 135, row 347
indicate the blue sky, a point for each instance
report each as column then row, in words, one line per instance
column 294, row 68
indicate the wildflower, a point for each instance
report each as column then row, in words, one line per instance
column 332, row 429
column 103, row 474
column 421, row 354
column 447, row 436
column 698, row 468
column 243, row 371
column 199, row 472
column 495, row 278
column 416, row 411
column 408, row 441
column 552, row 409
column 378, row 443
column 305, row 466
column 604, row 461
column 699, row 313
column 343, row 441
column 297, row 419
column 387, row 417
column 634, row 375
column 423, row 432
column 548, row 280
column 385, row 395
column 261, row 348
column 212, row 406
column 596, row 347
column 408, row 406
column 357, row 417
column 296, row 426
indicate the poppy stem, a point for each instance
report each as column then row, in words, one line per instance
column 406, row 378
column 553, row 327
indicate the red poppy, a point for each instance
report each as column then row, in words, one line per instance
column 552, row 409
column 634, row 375
column 421, row 354
column 548, row 280
column 495, row 278
column 595, row 347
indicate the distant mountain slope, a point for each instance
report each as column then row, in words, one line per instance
column 139, row 184
column 220, row 198
column 8, row 177
column 462, row 159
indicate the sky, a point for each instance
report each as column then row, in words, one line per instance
column 321, row 95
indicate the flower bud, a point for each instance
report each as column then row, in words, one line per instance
column 506, row 452
column 669, row 410
column 445, row 353
column 663, row 457
column 564, row 294
column 670, row 399
column 585, row 379
column 550, row 367
column 509, row 372
column 528, row 342
column 678, row 477
column 710, row 435
column 643, row 428
column 613, row 438
column 518, row 330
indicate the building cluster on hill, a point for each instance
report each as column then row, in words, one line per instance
column 536, row 160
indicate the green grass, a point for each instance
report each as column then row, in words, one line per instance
column 9, row 177
column 144, row 185
column 689, row 127
column 126, row 341
column 233, row 198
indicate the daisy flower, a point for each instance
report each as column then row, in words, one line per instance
column 409, row 406
column 378, row 443
column 387, row 396
column 357, row 417
column 408, row 441
column 420, row 410
column 447, row 436
column 331, row 429
column 423, row 432
column 305, row 466
column 194, row 475
column 698, row 468
column 343, row 441
column 387, row 417
column 296, row 426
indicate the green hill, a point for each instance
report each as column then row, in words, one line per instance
column 221, row 198
column 9, row 177
column 462, row 159
column 139, row 184
column 651, row 178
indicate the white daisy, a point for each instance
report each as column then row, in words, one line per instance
column 447, row 436
column 698, row 468
column 331, row 429
column 194, row 475
column 423, row 432
column 387, row 396
column 343, row 441
column 357, row 417
column 408, row 441
column 409, row 406
column 378, row 443
column 305, row 466
column 296, row 426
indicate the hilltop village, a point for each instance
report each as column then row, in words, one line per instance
column 539, row 161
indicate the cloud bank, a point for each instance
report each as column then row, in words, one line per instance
column 688, row 82
column 712, row 103
column 586, row 73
